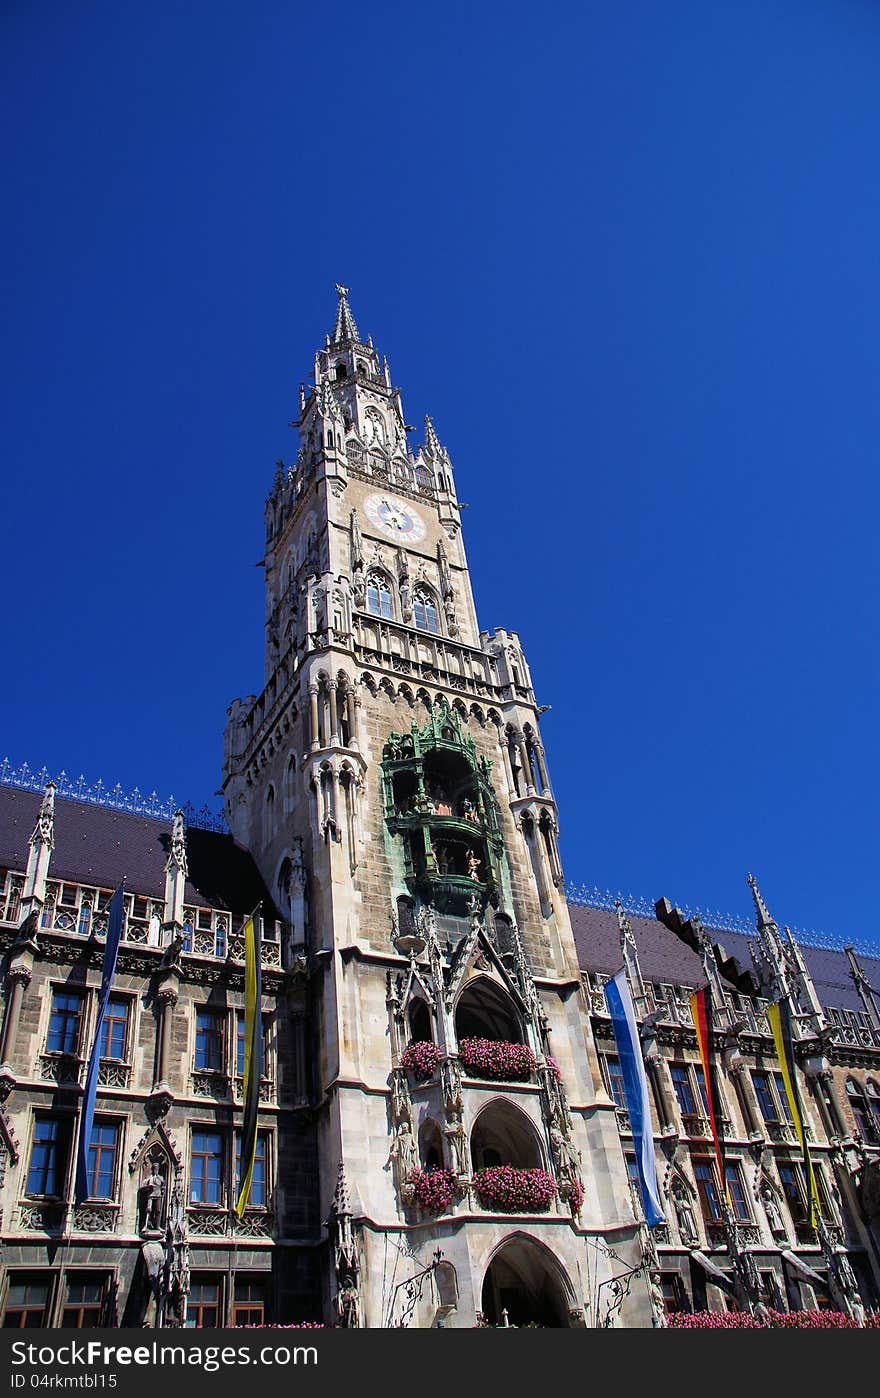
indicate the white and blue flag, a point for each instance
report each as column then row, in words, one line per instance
column 635, row 1091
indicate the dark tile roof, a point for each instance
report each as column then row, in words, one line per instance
column 664, row 957
column 99, row 845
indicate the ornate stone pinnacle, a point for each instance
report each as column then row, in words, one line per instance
column 432, row 441
column 44, row 830
column 345, row 327
column 763, row 916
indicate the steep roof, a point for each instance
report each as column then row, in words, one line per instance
column 99, row 845
column 665, row 958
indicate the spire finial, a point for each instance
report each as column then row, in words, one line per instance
column 345, row 327
column 432, row 441
column 762, row 913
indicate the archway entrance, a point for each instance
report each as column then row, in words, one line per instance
column 524, row 1280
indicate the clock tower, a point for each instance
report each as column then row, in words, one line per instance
column 391, row 784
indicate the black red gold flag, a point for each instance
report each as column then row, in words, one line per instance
column 701, row 1009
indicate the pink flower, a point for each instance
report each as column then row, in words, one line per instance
column 510, row 1191
column 434, row 1190
column 420, row 1058
column 496, row 1059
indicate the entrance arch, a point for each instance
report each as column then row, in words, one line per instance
column 525, row 1279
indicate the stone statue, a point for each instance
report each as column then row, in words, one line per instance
column 155, row 1186
column 771, row 1208
column 403, row 1150
column 348, row 1303
column 687, row 1223
column 846, row 1280
column 566, row 1155
column 658, row 1309
column 458, row 1146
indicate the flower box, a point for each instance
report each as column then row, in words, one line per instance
column 496, row 1059
column 506, row 1190
column 433, row 1190
column 421, row 1059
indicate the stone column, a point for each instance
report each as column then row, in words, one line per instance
column 822, row 1082
column 742, row 1084
column 18, row 978
column 351, row 713
column 313, row 717
column 334, row 720
column 654, row 1064
column 166, row 998
column 542, row 768
column 526, row 764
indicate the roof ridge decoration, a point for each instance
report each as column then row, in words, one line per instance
column 584, row 896
column 24, row 778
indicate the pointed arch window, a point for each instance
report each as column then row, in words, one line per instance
column 425, row 611
column 379, row 600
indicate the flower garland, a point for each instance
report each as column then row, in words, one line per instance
column 494, row 1058
column 421, row 1059
column 511, row 1191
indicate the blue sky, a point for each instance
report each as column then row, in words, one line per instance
column 625, row 255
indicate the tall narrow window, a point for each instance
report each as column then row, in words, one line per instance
column 707, row 1188
column 46, row 1169
column 684, row 1092
column 614, row 1080
column 259, row 1193
column 379, row 596
column 736, row 1190
column 209, row 1040
column 269, row 816
column 791, row 1179
column 784, row 1108
column 206, row 1168
column 114, row 1030
column 103, row 1151
column 425, row 611
column 65, row 1022
column 764, row 1095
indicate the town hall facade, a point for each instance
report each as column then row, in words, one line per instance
column 443, row 1139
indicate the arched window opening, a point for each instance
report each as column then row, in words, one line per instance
column 290, row 786
column 529, row 835
column 548, row 836
column 862, row 1117
column 419, row 1017
column 340, row 371
column 430, row 1145
column 425, row 611
column 503, row 1135
column 283, row 887
column 485, row 1011
column 522, row 1287
column 379, row 600
column 329, row 439
column 269, row 816
column 423, row 478
column 872, row 1097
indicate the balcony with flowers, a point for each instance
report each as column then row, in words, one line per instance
column 509, row 1166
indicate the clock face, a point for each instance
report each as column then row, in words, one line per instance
column 395, row 518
